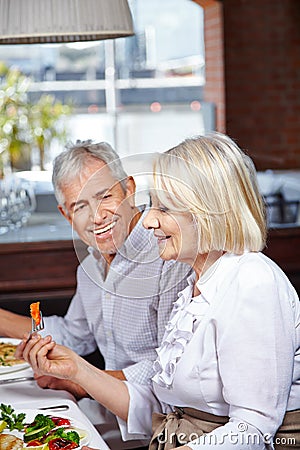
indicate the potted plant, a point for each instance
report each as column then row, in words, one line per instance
column 46, row 123
column 25, row 125
column 14, row 129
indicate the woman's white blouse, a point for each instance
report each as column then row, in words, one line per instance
column 234, row 350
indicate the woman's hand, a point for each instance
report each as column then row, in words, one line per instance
column 51, row 359
column 48, row 358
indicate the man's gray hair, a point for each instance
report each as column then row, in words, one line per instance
column 69, row 164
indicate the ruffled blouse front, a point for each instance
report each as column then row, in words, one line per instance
column 186, row 316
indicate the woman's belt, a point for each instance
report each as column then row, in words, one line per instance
column 186, row 424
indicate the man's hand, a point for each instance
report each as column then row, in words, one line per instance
column 47, row 382
column 13, row 325
column 119, row 374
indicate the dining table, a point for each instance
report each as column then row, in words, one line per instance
column 19, row 390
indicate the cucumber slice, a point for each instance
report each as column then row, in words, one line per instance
column 36, row 434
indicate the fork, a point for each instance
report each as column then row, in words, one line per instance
column 35, row 328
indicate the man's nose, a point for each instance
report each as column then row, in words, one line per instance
column 97, row 212
column 151, row 220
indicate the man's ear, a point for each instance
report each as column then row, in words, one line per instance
column 64, row 213
column 130, row 190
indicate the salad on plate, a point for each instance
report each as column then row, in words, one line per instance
column 32, row 430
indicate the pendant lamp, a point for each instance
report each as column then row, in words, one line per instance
column 59, row 21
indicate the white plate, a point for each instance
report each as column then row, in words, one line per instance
column 16, row 367
column 31, row 413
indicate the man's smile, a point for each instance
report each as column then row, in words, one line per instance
column 103, row 230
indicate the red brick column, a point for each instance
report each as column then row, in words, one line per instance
column 214, row 90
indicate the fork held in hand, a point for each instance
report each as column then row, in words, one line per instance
column 34, row 327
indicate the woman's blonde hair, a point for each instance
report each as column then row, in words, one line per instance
column 211, row 177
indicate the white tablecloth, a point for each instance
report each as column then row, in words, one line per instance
column 27, row 394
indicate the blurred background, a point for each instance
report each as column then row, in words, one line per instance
column 192, row 66
column 141, row 94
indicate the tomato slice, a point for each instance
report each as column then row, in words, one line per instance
column 34, row 443
column 60, row 443
column 35, row 312
column 60, row 421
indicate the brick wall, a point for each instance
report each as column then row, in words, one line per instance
column 261, row 76
column 262, row 79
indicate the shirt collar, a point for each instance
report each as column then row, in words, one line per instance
column 212, row 281
column 139, row 240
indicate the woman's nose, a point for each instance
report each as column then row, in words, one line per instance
column 151, row 221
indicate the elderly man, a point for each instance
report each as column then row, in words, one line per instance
column 124, row 290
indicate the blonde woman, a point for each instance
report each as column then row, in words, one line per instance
column 227, row 374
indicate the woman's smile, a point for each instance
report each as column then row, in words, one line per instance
column 161, row 239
